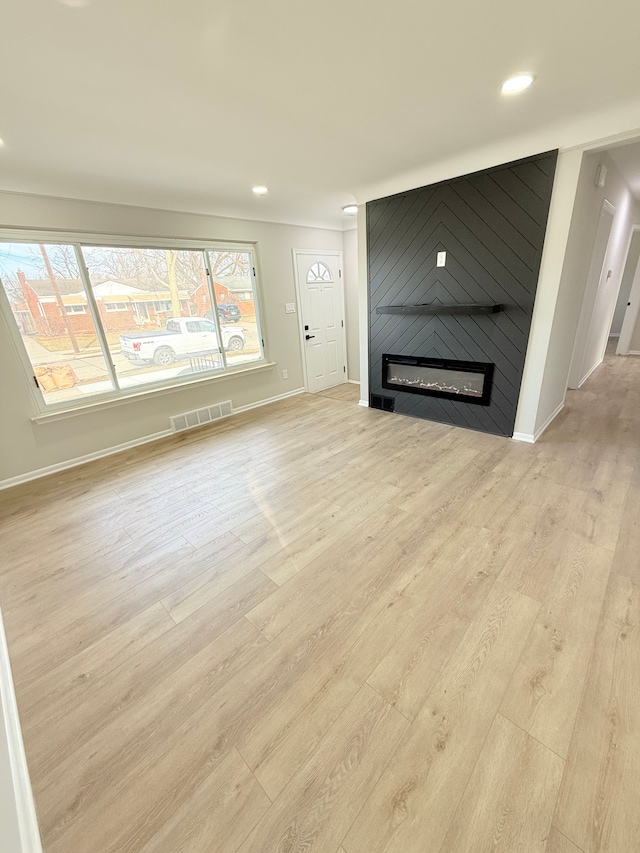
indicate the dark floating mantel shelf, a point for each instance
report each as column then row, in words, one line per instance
column 453, row 308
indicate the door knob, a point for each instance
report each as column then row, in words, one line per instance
column 308, row 337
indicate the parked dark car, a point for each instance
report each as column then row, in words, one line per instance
column 227, row 312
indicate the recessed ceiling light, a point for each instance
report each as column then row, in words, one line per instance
column 350, row 208
column 518, row 83
column 260, row 190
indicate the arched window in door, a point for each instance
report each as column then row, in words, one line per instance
column 318, row 273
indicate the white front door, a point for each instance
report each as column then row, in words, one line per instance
column 321, row 298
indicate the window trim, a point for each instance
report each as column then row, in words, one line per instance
column 138, row 394
column 77, row 239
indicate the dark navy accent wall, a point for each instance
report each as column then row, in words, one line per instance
column 491, row 225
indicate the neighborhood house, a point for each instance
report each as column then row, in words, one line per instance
column 50, row 308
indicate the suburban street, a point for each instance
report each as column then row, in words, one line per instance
column 90, row 369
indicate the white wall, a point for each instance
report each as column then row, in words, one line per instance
column 547, row 294
column 26, row 446
column 625, row 287
column 576, row 255
column 351, row 302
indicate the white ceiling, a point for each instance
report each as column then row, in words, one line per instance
column 185, row 104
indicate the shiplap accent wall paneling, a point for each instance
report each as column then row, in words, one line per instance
column 492, row 226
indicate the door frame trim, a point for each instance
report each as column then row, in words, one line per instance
column 297, row 253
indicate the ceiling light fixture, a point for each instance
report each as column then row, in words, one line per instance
column 518, row 83
column 260, row 190
column 350, row 209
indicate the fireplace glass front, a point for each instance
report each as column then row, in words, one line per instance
column 445, row 378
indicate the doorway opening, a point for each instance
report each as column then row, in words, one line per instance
column 603, row 252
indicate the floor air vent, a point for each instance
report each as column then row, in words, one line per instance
column 387, row 404
column 198, row 417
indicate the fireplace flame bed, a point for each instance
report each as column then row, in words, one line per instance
column 468, row 381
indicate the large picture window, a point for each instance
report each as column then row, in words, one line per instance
column 105, row 320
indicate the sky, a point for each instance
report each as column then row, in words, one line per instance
column 19, row 256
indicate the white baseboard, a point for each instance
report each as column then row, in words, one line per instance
column 119, row 448
column 82, row 460
column 531, row 439
column 269, row 400
column 587, row 375
column 353, row 381
column 364, row 403
column 19, row 831
column 633, row 352
column 523, row 436
column 554, row 414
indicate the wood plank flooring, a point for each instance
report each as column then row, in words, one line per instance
column 319, row 628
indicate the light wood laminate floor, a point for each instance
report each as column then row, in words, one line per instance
column 320, row 628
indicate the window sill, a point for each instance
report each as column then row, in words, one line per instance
column 135, row 396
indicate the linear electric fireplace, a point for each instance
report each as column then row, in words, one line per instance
column 469, row 381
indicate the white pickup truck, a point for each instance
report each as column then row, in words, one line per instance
column 184, row 337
